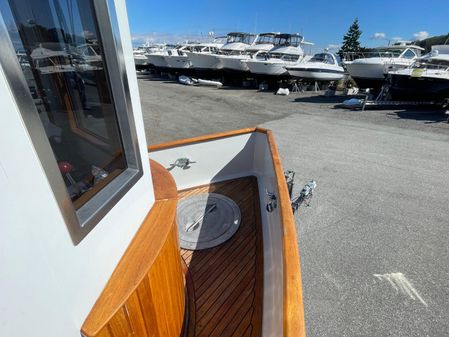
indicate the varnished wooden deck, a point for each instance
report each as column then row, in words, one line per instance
column 226, row 281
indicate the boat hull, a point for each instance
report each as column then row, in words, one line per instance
column 267, row 69
column 178, row 62
column 406, row 87
column 234, row 63
column 158, row 61
column 140, row 60
column 371, row 83
column 370, row 73
column 203, row 61
column 317, row 74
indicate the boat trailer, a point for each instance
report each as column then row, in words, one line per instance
column 383, row 101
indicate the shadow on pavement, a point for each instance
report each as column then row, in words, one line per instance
column 428, row 116
column 321, row 99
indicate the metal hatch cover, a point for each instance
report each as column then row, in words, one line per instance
column 207, row 220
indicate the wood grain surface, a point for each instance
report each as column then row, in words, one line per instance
column 227, row 280
column 145, row 295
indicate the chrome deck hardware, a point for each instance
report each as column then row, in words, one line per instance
column 290, row 180
column 272, row 202
column 183, row 163
column 305, row 196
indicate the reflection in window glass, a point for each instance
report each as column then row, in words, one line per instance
column 60, row 52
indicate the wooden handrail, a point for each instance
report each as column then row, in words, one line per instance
column 199, row 139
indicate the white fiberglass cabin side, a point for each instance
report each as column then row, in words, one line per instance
column 57, row 254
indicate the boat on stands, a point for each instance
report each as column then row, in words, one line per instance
column 105, row 237
column 427, row 79
column 322, row 67
column 178, row 59
column 369, row 69
column 156, row 58
column 200, row 58
column 140, row 58
column 236, row 44
column 286, row 52
column 232, row 61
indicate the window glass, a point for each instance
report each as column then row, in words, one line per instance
column 409, row 54
column 265, row 39
column 60, row 52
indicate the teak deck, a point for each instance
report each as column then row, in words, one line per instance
column 226, row 282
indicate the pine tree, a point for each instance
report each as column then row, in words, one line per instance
column 351, row 39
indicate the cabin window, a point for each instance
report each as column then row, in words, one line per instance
column 265, row 39
column 76, row 91
column 323, row 58
column 409, row 54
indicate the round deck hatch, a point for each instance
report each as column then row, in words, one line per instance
column 207, row 220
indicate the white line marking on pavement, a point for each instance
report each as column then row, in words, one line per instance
column 400, row 283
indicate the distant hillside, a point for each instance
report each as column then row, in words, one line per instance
column 427, row 43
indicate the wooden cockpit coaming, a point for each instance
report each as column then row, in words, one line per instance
column 214, row 159
column 251, row 152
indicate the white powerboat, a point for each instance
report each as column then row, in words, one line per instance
column 177, row 58
column 140, row 54
column 156, row 58
column 140, row 58
column 321, row 67
column 88, row 57
column 426, row 79
column 263, row 43
column 236, row 44
column 199, row 57
column 368, row 69
column 48, row 61
column 286, row 52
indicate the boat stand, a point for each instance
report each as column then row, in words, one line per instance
column 297, row 86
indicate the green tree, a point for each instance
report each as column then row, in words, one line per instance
column 351, row 39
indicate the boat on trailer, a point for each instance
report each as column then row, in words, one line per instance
column 426, row 79
column 369, row 69
column 105, row 237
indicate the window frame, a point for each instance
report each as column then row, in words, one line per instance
column 81, row 221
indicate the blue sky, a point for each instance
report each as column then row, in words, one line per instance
column 322, row 22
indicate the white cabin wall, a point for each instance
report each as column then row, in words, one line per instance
column 214, row 160
column 48, row 285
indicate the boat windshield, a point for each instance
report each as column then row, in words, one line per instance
column 242, row 38
column 387, row 52
column 287, row 40
column 265, row 39
column 54, row 61
column 380, row 52
column 323, row 58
